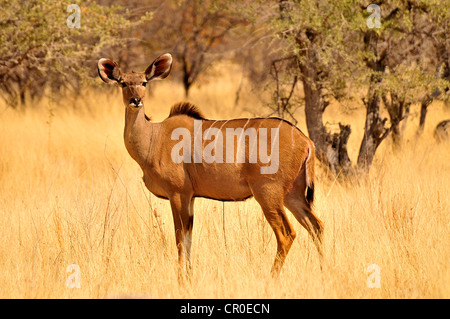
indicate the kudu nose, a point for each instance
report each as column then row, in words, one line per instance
column 135, row 101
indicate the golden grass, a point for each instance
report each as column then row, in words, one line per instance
column 70, row 194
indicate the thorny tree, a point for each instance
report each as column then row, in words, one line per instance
column 334, row 47
column 39, row 49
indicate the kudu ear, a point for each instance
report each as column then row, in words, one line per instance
column 160, row 68
column 109, row 71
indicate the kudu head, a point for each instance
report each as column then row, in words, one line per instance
column 133, row 84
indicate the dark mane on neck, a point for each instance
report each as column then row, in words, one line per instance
column 186, row 108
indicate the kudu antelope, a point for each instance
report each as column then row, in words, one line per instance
column 151, row 145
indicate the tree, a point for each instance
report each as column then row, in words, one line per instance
column 43, row 46
column 436, row 29
column 335, row 47
column 197, row 32
column 312, row 36
column 398, row 62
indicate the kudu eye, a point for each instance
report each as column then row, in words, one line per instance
column 144, row 84
column 124, row 85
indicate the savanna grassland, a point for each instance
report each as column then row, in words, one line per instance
column 71, row 194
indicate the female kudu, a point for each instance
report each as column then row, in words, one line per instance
column 240, row 176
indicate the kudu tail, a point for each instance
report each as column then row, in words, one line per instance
column 309, row 174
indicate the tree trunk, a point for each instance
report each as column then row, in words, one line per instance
column 187, row 73
column 331, row 149
column 426, row 101
column 442, row 72
column 187, row 87
column 398, row 110
column 373, row 128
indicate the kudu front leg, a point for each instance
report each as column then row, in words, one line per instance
column 183, row 217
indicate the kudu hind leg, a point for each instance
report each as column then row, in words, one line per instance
column 188, row 235
column 304, row 214
column 284, row 232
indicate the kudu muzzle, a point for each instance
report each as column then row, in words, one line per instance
column 135, row 101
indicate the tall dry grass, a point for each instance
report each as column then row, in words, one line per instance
column 70, row 194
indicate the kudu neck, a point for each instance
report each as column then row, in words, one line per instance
column 139, row 135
